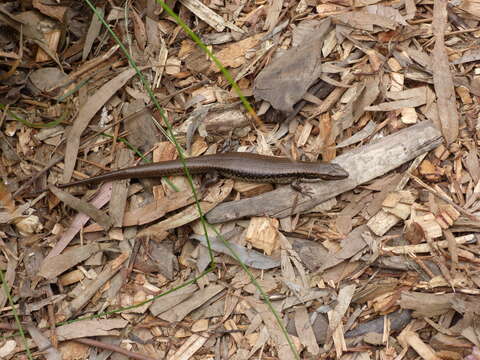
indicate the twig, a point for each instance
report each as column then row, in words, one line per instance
column 34, row 177
column 446, row 199
column 115, row 348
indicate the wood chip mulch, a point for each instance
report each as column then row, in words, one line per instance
column 382, row 265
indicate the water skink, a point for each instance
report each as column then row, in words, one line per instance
column 235, row 165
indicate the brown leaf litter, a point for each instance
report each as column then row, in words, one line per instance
column 383, row 264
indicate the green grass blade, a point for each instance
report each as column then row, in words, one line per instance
column 6, row 291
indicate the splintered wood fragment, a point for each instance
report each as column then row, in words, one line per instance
column 262, row 233
column 410, row 98
column 357, row 103
column 394, row 64
column 430, row 171
column 333, row 97
column 375, row 290
column 70, row 309
column 161, row 61
column 345, row 295
column 440, row 281
column 429, row 225
column 190, row 347
column 216, row 194
column 363, row 165
column 166, row 302
column 401, row 211
column 205, row 13
column 335, row 316
column 394, row 198
column 284, row 351
column 90, row 328
column 71, row 277
column 55, row 265
column 132, row 302
column 152, row 211
column 209, row 16
column 200, row 325
column 225, row 122
column 409, row 116
column 464, row 94
column 426, row 305
column 231, row 326
column 472, row 164
column 305, row 331
column 440, row 194
column 441, row 153
column 398, row 80
column 448, row 214
column 173, row 66
column 412, row 339
column 305, row 132
column 425, row 248
column 43, row 342
column 442, row 76
column 200, row 297
column 367, row 131
column 118, row 202
column 384, row 221
column 52, row 39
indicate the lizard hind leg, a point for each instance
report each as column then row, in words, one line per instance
column 210, row 178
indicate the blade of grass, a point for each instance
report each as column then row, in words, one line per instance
column 106, row 313
column 217, row 62
column 169, row 134
column 6, row 290
column 35, row 125
column 264, row 295
column 171, row 137
column 250, row 109
column 103, row 314
column 82, row 83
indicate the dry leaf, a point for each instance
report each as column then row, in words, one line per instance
column 288, row 77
